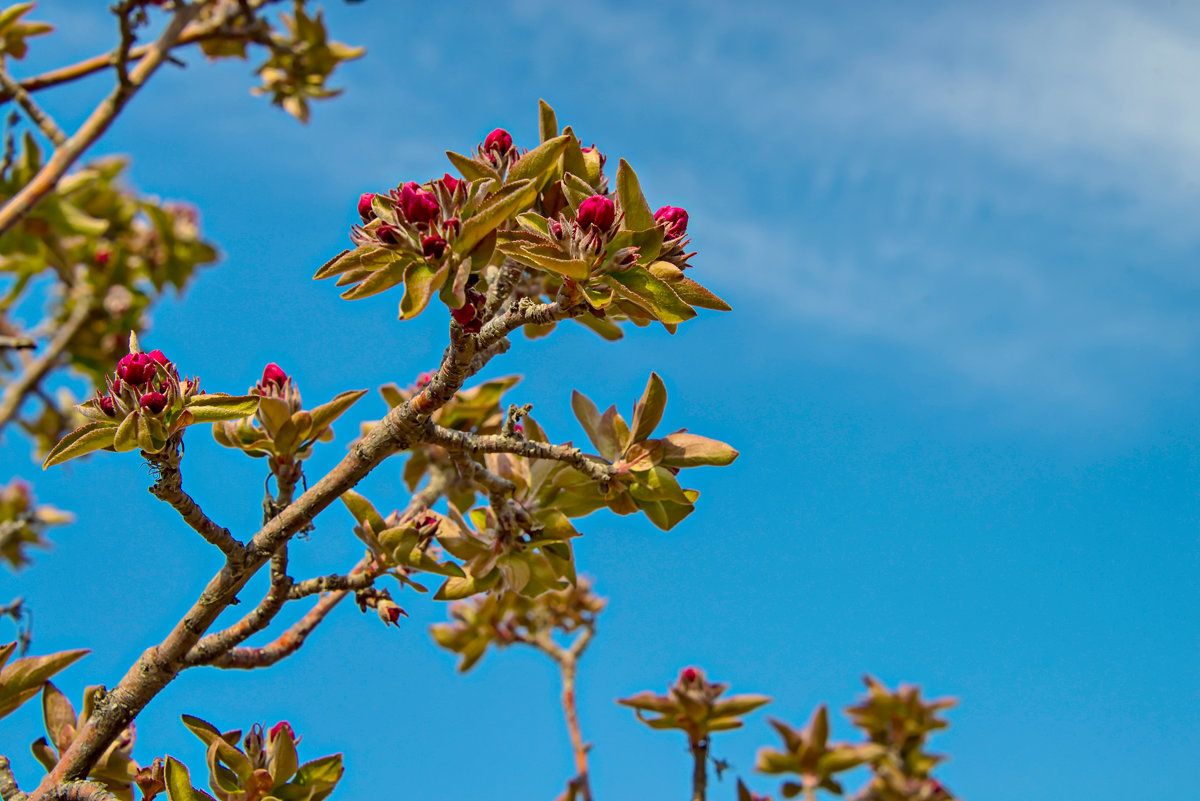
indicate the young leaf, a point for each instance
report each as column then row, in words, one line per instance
column 326, row 413
column 649, row 409
column 682, row 449
column 85, row 439
column 421, row 281
column 179, row 783
column 22, row 679
column 217, row 407
column 638, row 285
column 633, row 202
column 363, row 511
column 547, row 121
column 510, row 199
column 537, row 164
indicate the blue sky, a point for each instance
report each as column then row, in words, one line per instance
column 962, row 369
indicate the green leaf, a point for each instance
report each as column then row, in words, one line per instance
column 284, row 761
column 649, row 410
column 5, row 652
column 421, row 282
column 545, row 258
column 738, row 705
column 639, row 286
column 455, row 589
column 320, row 773
column 326, row 413
column 366, row 257
column 510, row 199
column 605, row 328
column 471, row 169
column 589, row 417
column 633, row 202
column 379, row 281
column 22, row 679
column 126, row 438
column 547, row 121
column 218, row 407
column 690, row 291
column 85, row 439
column 682, row 449
column 364, row 512
column 201, row 728
column 539, row 163
column 179, row 783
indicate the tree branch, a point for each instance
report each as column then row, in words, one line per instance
column 40, row 118
column 699, row 769
column 79, row 791
column 286, row 644
column 350, row 582
column 213, row 646
column 400, row 429
column 96, row 124
column 33, row 374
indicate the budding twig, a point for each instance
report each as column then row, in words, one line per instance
column 592, row 466
column 40, row 118
column 286, row 644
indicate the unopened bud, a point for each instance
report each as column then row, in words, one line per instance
column 365, row 209
column 451, row 183
column 499, row 141
column 387, row 234
column 136, row 368
column 675, row 219
column 105, row 404
column 689, row 675
column 282, row 725
column 154, row 402
column 597, row 211
column 418, row 205
column 433, row 246
column 389, row 612
column 274, row 374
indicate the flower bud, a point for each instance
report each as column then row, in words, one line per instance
column 364, row 206
column 451, row 183
column 433, row 246
column 597, row 211
column 105, row 404
column 452, row 226
column 675, row 219
column 158, row 357
column 689, row 675
column 418, row 205
column 102, row 256
column 423, row 379
column 464, row 314
column 519, row 429
column 136, row 368
column 389, row 612
column 274, row 374
column 556, row 229
column 154, row 402
column 282, row 725
column 499, row 141
column 387, row 234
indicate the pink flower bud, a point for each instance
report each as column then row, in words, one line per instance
column 102, row 256
column 389, row 613
column 452, row 226
column 498, row 140
column 423, row 379
column 451, row 183
column 282, row 725
column 158, row 357
column 689, row 675
column 675, row 219
column 418, row 205
column 387, row 234
column 105, row 404
column 364, row 206
column 274, row 374
column 597, row 210
column 519, row 429
column 154, row 402
column 433, row 246
column 136, row 368
column 556, row 229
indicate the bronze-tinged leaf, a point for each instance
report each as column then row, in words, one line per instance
column 326, row 413
column 510, row 199
column 421, row 283
column 649, row 409
column 690, row 291
column 589, row 417
column 650, row 702
column 471, row 169
column 90, row 437
column 369, row 257
column 738, row 705
column 682, row 449
column 362, row 509
column 455, row 589
column 58, row 716
column 538, row 164
column 547, row 121
column 379, row 281
column 23, row 678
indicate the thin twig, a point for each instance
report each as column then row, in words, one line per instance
column 286, row 644
column 40, row 118
column 699, row 750
column 213, row 646
column 351, row 582
column 169, row 489
column 592, row 466
column 33, row 374
column 17, row 343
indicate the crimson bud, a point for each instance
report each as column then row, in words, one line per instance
column 498, row 140
column 106, row 405
column 154, row 402
column 418, row 205
column 364, row 206
column 274, row 374
column 136, row 368
column 433, row 246
column 282, row 725
column 386, row 234
column 597, row 210
column 450, row 182
column 689, row 675
column 676, row 220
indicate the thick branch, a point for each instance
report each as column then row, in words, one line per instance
column 66, row 155
column 169, row 489
column 80, row 791
column 33, row 374
column 213, row 646
column 40, row 118
column 403, row 426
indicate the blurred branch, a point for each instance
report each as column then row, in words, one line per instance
column 40, row 118
column 9, row 791
column 17, row 343
column 97, row 123
column 36, row 370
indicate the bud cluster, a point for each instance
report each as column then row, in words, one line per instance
column 148, row 383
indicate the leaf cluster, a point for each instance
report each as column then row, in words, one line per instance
column 694, row 705
column 23, row 522
column 114, row 769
